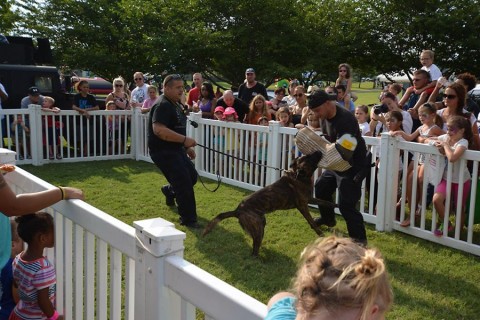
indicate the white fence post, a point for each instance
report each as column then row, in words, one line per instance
column 273, row 152
column 136, row 134
column 387, row 182
column 194, row 133
column 36, row 134
column 157, row 239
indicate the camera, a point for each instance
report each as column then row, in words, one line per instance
column 380, row 108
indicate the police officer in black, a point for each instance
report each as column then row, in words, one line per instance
column 172, row 151
column 335, row 122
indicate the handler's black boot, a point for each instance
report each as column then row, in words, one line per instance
column 169, row 196
column 321, row 221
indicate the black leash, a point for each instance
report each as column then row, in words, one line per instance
column 232, row 156
column 219, row 180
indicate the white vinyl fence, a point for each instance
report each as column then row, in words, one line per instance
column 251, row 157
column 109, row 270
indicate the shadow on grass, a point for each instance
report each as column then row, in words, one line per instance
column 232, row 252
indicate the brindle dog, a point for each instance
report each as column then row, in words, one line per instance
column 292, row 190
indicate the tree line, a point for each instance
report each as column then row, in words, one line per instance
column 304, row 39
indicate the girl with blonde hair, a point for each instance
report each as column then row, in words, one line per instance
column 336, row 279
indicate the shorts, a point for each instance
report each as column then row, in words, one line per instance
column 442, row 189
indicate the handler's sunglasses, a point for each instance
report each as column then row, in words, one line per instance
column 172, row 77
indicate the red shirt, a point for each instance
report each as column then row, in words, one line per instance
column 193, row 96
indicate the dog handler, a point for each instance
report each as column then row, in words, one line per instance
column 337, row 121
column 171, row 150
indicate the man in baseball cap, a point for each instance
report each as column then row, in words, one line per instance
column 251, row 87
column 34, row 97
column 338, row 123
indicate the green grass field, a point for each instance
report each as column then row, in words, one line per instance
column 429, row 280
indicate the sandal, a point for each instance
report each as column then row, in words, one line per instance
column 51, row 157
column 59, row 157
column 405, row 223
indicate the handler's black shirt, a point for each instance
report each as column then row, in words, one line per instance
column 342, row 123
column 173, row 117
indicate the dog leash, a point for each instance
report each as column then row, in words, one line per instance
column 219, row 180
column 234, row 157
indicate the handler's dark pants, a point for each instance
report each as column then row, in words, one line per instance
column 349, row 195
column 181, row 174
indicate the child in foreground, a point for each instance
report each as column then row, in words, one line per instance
column 8, row 293
column 453, row 144
column 33, row 274
column 336, row 279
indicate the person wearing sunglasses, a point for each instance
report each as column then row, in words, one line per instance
column 453, row 104
column 172, row 151
column 118, row 95
column 409, row 101
column 299, row 109
column 140, row 93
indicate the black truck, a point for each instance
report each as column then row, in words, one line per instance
column 23, row 65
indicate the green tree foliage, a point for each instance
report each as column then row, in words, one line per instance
column 7, row 16
column 279, row 38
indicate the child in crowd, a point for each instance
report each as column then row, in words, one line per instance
column 453, row 144
column 229, row 134
column 113, row 126
column 284, row 116
column 22, row 130
column 426, row 59
column 206, row 101
column 33, row 274
column 393, row 88
column 313, row 122
column 336, row 279
column 345, row 78
column 258, row 108
column 8, row 293
column 427, row 115
column 52, row 131
column 148, row 103
column 361, row 114
column 218, row 114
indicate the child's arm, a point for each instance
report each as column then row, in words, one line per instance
column 404, row 135
column 44, row 302
column 405, row 96
column 454, row 155
column 430, row 85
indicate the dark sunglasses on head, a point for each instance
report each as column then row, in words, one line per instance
column 172, row 77
column 449, row 96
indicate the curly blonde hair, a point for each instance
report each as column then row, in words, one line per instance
column 337, row 274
